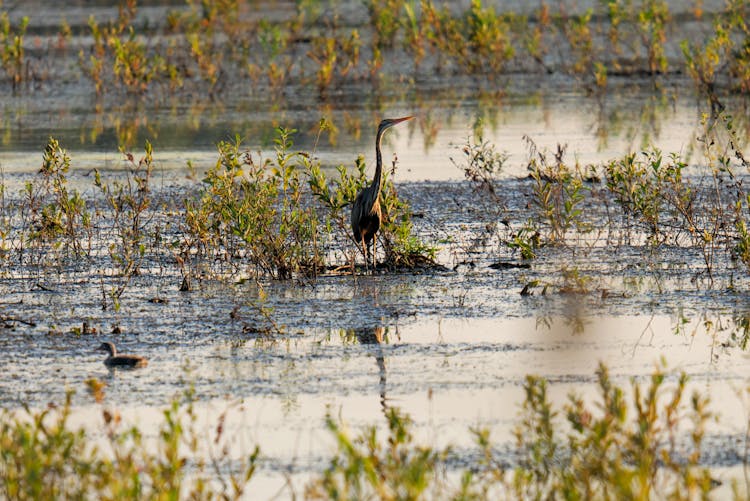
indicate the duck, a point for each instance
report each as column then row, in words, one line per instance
column 115, row 360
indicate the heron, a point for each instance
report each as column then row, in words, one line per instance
column 366, row 213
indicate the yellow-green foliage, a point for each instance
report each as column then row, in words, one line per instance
column 42, row 457
column 13, row 53
column 366, row 467
column 59, row 218
column 253, row 208
column 643, row 185
column 622, row 445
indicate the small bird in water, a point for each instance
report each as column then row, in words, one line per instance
column 366, row 213
column 115, row 360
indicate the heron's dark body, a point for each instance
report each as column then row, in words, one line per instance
column 365, row 223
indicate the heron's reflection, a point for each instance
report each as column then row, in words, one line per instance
column 376, row 336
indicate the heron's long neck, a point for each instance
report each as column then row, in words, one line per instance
column 378, row 162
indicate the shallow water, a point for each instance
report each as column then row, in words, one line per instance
column 450, row 347
column 593, row 132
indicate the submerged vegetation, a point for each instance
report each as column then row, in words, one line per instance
column 625, row 444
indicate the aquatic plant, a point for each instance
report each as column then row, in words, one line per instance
column 478, row 40
column 335, row 57
column 119, row 57
column 579, row 35
column 629, row 441
column 366, row 467
column 535, row 34
column 130, row 203
column 526, row 240
column 12, row 53
column 481, row 164
column 723, row 56
column 5, row 223
column 606, row 452
column 202, row 46
column 558, row 192
column 488, row 41
column 43, row 457
column 56, row 217
column 414, row 35
column 639, row 184
column 613, row 448
column 252, row 208
column 653, row 18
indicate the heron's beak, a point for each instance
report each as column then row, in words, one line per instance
column 402, row 119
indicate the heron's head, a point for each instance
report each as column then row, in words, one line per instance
column 390, row 122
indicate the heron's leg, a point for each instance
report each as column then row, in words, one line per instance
column 375, row 252
column 364, row 250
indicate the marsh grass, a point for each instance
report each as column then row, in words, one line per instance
column 631, row 441
column 44, row 457
column 201, row 47
column 130, row 207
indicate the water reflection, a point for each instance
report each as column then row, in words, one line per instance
column 610, row 125
column 375, row 337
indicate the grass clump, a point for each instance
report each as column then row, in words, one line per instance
column 559, row 192
column 120, row 57
column 55, row 220
column 252, row 208
column 365, row 467
column 41, row 457
column 639, row 184
column 624, row 445
column 13, row 54
column 607, row 453
column 131, row 212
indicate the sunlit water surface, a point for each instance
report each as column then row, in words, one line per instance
column 450, row 348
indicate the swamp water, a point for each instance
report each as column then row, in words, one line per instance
column 449, row 347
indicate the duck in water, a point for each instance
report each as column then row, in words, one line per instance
column 115, row 360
